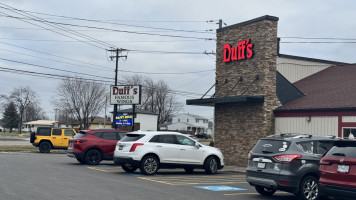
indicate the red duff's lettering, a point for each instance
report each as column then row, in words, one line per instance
column 243, row 50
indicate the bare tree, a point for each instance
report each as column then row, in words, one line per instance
column 85, row 99
column 23, row 97
column 156, row 97
column 34, row 112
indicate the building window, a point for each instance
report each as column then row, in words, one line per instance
column 347, row 131
column 178, row 120
column 197, row 120
column 187, row 120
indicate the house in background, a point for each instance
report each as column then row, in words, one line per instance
column 194, row 123
column 32, row 125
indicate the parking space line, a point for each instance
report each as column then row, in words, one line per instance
column 250, row 193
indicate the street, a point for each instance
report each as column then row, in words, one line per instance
column 36, row 176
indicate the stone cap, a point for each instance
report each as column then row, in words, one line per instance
column 268, row 17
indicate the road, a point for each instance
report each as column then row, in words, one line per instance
column 54, row 176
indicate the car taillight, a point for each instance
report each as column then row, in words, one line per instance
column 249, row 156
column 287, row 158
column 79, row 141
column 133, row 147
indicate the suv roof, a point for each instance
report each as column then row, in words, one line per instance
column 295, row 136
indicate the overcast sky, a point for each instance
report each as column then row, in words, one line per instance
column 154, row 25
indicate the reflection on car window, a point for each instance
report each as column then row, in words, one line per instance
column 109, row 136
column 68, row 132
column 323, row 146
column 185, row 141
column 306, row 147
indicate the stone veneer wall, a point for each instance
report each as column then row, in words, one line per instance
column 238, row 126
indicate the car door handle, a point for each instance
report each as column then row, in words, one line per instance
column 159, row 146
column 54, row 137
column 182, row 149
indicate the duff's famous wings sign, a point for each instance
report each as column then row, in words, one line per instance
column 125, row 94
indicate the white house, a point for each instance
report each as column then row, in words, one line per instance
column 188, row 122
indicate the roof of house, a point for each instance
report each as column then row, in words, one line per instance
column 194, row 116
column 331, row 89
column 41, row 122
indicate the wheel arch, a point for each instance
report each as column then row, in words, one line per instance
column 215, row 156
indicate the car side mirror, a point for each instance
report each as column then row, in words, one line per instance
column 197, row 145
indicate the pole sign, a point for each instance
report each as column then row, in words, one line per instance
column 125, row 94
column 243, row 50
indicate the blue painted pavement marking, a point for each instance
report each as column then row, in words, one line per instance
column 220, row 188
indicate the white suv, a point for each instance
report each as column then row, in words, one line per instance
column 151, row 151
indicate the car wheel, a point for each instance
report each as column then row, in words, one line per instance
column 188, row 170
column 211, row 165
column 45, row 147
column 149, row 165
column 309, row 189
column 128, row 167
column 81, row 160
column 93, row 157
column 264, row 191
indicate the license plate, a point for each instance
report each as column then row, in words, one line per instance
column 121, row 147
column 343, row 168
column 261, row 165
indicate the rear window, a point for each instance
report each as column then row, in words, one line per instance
column 271, row 146
column 80, row 134
column 131, row 137
column 345, row 152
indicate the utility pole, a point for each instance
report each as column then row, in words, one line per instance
column 117, row 56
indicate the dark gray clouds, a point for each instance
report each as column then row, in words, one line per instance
column 322, row 18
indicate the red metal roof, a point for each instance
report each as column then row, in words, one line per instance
column 329, row 89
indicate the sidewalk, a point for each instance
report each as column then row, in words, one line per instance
column 231, row 168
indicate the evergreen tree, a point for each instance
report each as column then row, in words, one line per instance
column 10, row 117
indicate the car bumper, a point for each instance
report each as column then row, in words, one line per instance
column 128, row 160
column 75, row 155
column 339, row 191
column 272, row 181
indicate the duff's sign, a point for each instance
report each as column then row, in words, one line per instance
column 243, row 50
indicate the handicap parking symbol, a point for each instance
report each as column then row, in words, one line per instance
column 220, row 188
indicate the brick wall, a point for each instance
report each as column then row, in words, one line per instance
column 238, row 126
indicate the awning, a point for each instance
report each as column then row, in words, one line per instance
column 225, row 100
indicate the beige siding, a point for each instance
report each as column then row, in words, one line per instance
column 316, row 126
column 349, row 119
column 294, row 69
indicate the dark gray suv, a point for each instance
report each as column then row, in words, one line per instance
column 288, row 162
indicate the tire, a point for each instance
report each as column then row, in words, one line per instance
column 264, row 191
column 127, row 167
column 211, row 165
column 149, row 165
column 189, row 170
column 45, row 147
column 309, row 189
column 93, row 157
column 81, row 160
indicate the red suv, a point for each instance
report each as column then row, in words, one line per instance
column 93, row 146
column 338, row 170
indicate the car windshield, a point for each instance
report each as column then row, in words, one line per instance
column 271, row 146
column 131, row 137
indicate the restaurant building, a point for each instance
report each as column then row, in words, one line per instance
column 259, row 92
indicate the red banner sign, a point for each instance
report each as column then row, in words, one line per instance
column 243, row 50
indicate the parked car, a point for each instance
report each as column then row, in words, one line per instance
column 93, row 146
column 287, row 162
column 202, row 135
column 338, row 170
column 151, row 151
column 47, row 138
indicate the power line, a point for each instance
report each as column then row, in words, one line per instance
column 11, row 9
column 121, row 31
